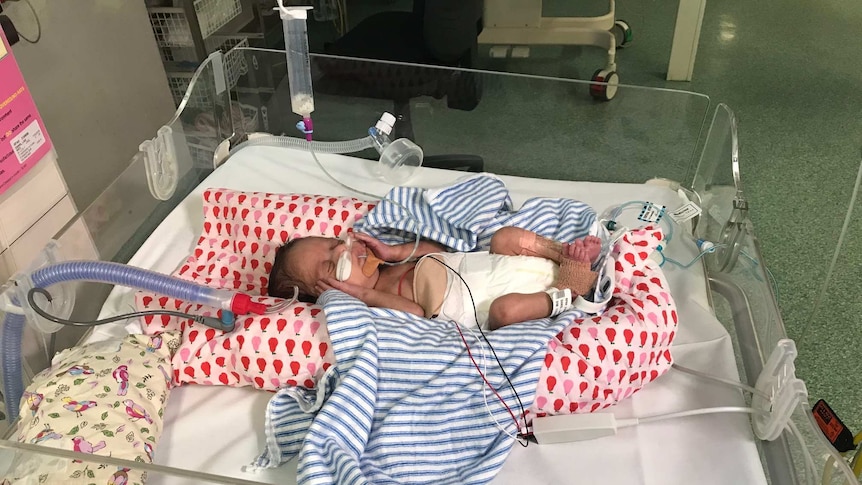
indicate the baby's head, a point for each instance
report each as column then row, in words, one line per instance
column 303, row 262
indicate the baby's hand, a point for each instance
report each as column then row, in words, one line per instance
column 381, row 249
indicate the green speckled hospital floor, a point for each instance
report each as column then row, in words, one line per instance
column 791, row 73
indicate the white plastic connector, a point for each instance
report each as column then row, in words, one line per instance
column 385, row 123
column 292, row 11
column 573, row 427
column 706, row 245
column 618, row 234
column 777, row 380
column 6, row 305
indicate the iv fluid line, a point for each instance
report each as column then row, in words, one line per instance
column 834, row 262
column 342, row 184
column 373, row 196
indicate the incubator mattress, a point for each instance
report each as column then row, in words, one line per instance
column 707, row 449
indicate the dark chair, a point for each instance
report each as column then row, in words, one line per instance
column 436, row 33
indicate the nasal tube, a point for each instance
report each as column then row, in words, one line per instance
column 344, row 266
column 12, row 330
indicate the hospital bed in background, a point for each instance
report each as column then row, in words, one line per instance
column 517, row 24
column 650, row 143
column 511, row 26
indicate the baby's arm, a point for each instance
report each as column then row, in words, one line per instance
column 372, row 297
column 382, row 299
column 399, row 252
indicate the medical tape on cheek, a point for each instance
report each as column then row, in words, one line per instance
column 536, row 245
column 371, row 264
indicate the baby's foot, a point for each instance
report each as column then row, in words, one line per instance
column 584, row 250
column 575, row 251
column 592, row 248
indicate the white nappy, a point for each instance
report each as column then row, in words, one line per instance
column 488, row 277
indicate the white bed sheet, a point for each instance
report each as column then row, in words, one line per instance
column 714, row 449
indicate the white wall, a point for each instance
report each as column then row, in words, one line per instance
column 98, row 82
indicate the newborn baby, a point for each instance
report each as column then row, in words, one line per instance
column 523, row 277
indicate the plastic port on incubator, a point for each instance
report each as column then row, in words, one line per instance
column 160, row 163
column 62, row 295
column 399, row 159
column 777, row 380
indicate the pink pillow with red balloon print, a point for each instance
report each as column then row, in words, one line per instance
column 242, row 231
column 598, row 361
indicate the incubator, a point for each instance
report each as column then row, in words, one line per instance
column 648, row 146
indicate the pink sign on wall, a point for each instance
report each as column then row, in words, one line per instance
column 23, row 138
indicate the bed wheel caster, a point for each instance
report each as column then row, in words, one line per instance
column 605, row 85
column 623, row 33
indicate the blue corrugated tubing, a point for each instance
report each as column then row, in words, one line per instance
column 97, row 271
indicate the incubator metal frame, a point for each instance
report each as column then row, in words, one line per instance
column 706, row 163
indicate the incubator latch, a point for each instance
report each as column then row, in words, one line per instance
column 740, row 209
column 732, row 234
column 160, row 163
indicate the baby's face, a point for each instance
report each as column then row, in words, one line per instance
column 317, row 257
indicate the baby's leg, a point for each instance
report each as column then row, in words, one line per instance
column 518, row 307
column 514, row 241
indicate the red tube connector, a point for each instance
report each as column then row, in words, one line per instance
column 241, row 304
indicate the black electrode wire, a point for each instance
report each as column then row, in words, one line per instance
column 484, row 337
column 93, row 323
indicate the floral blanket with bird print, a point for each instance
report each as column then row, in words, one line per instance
column 105, row 398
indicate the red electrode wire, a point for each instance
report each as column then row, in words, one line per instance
column 470, row 354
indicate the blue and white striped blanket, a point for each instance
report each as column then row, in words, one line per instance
column 404, row 403
column 465, row 215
